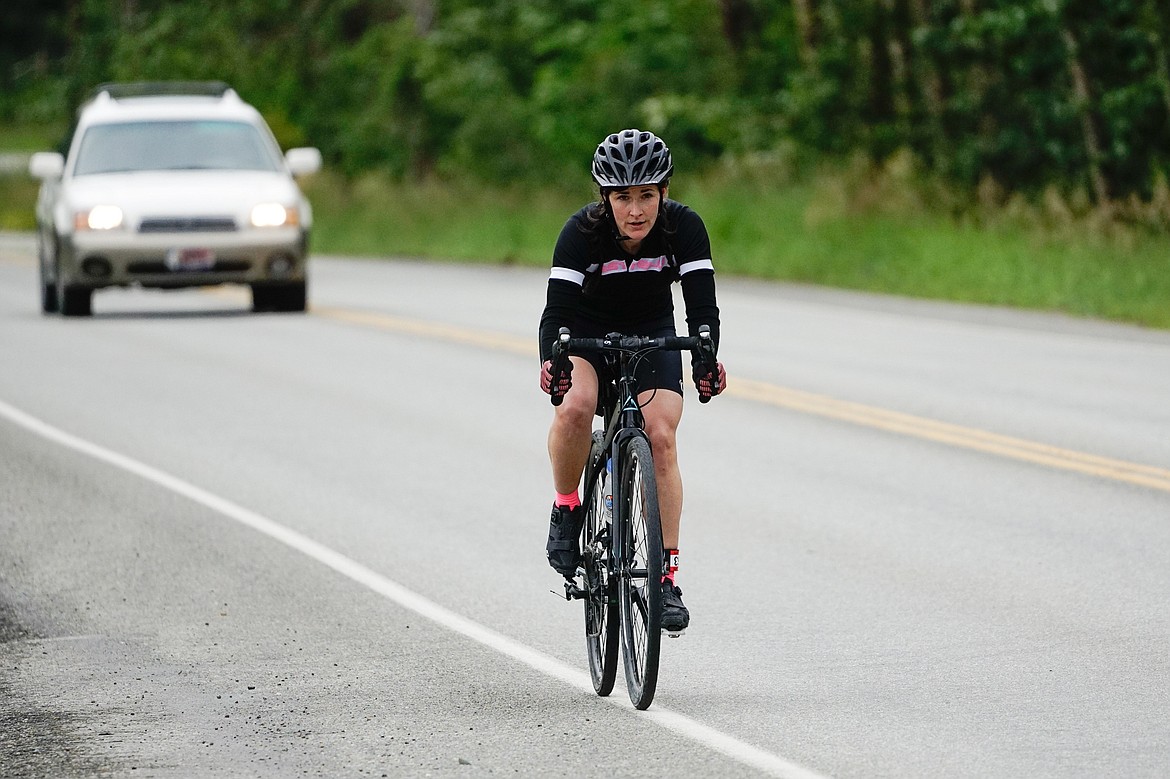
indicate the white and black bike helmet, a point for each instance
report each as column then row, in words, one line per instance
column 632, row 158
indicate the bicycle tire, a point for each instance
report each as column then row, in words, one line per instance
column 640, row 580
column 601, row 613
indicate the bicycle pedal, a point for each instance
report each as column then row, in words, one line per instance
column 673, row 633
column 572, row 591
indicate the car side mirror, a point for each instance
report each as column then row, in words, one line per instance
column 46, row 165
column 303, row 160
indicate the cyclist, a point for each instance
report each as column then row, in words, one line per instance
column 612, row 271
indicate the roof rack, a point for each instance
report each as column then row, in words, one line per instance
column 119, row 90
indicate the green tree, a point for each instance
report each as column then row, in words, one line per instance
column 1031, row 94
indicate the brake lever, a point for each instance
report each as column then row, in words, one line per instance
column 560, row 360
column 707, row 355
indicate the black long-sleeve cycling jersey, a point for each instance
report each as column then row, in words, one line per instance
column 595, row 281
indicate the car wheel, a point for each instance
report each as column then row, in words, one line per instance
column 262, row 297
column 291, row 297
column 76, row 301
column 49, row 302
column 279, row 297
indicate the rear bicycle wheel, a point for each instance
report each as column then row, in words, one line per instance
column 601, row 613
column 640, row 583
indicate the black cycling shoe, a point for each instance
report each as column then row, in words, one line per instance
column 564, row 539
column 675, row 617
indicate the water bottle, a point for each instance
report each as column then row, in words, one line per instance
column 607, row 491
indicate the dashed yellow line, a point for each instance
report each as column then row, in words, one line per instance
column 820, row 405
column 452, row 333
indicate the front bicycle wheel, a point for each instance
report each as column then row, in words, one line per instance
column 601, row 620
column 640, row 582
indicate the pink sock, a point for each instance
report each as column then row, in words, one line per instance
column 671, row 562
column 571, row 500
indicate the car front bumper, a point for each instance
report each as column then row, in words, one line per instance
column 183, row 259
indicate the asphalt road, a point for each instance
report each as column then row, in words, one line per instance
column 920, row 540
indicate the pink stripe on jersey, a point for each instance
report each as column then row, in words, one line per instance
column 641, row 264
column 648, row 263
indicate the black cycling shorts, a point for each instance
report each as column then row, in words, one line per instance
column 659, row 369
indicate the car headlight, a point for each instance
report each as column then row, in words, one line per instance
column 274, row 215
column 98, row 218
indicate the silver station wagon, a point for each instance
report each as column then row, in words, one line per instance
column 172, row 185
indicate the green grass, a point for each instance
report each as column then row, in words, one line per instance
column 30, row 138
column 18, row 198
column 794, row 232
column 377, row 217
column 18, row 191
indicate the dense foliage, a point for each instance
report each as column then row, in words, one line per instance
column 1024, row 96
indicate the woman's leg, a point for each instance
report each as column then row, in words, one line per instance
column 662, row 415
column 572, row 428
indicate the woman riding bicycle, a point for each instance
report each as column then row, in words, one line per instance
column 612, row 270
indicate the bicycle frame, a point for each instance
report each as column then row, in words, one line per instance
column 625, row 421
column 623, row 417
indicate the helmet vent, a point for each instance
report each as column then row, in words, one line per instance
column 632, row 158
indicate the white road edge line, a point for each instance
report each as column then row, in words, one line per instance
column 681, row 724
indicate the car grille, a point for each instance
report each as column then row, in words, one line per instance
column 153, row 267
column 193, row 224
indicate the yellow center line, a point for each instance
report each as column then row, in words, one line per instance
column 819, row 405
column 955, row 435
column 452, row 333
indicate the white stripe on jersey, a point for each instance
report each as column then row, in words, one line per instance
column 568, row 274
column 687, row 267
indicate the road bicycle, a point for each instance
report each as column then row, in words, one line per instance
column 620, row 574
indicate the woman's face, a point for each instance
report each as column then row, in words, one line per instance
column 635, row 210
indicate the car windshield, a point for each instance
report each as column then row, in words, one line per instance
column 174, row 145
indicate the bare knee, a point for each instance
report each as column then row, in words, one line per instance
column 662, row 435
column 662, row 442
column 575, row 413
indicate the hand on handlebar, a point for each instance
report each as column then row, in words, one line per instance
column 710, row 383
column 556, row 383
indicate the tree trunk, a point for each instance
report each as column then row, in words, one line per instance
column 882, row 79
column 424, row 15
column 926, row 75
column 738, row 21
column 1083, row 97
column 1157, row 32
column 805, row 14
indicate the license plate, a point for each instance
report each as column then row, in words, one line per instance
column 190, row 259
